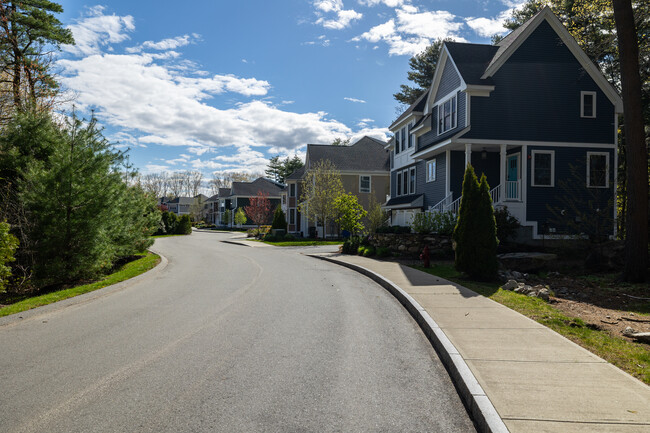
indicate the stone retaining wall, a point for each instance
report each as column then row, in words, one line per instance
column 410, row 244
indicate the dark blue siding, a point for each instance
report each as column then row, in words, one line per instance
column 433, row 191
column 457, row 172
column 490, row 166
column 449, row 81
column 570, row 186
column 537, row 97
column 431, row 138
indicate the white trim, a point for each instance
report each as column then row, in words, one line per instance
column 454, row 120
column 615, row 176
column 503, row 166
column 606, row 155
column 467, row 109
column 532, row 167
column 571, row 44
column 535, row 143
column 398, row 125
column 582, row 104
column 524, row 175
column 369, row 183
column 468, row 154
column 431, row 162
column 479, row 90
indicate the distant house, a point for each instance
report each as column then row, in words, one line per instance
column 212, row 209
column 195, row 206
column 364, row 168
column 240, row 193
column 180, row 205
column 532, row 113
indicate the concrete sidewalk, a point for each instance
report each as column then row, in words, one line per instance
column 537, row 380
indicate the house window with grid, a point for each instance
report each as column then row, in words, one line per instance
column 405, row 182
column 399, row 183
column 431, row 170
column 292, row 190
column 412, row 180
column 588, row 104
column 598, row 169
column 447, row 115
column 411, row 139
column 543, row 165
column 398, row 134
column 292, row 216
column 364, row 183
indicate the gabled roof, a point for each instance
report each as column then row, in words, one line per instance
column 415, row 107
column 471, row 60
column 223, row 192
column 213, row 198
column 405, row 202
column 297, row 174
column 367, row 154
column 250, row 189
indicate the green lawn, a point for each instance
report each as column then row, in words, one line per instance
column 129, row 270
column 166, row 236
column 634, row 358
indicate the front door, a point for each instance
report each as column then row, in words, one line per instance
column 512, row 177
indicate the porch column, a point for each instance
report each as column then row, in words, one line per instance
column 502, row 172
column 447, row 173
column 468, row 154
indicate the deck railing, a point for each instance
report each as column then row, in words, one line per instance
column 513, row 189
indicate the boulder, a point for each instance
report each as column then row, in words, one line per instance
column 510, row 285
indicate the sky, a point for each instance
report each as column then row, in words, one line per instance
column 216, row 85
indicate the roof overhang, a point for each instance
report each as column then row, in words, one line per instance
column 416, row 202
column 402, row 122
column 478, row 90
column 434, row 150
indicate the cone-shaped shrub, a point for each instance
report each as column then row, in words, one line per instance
column 279, row 221
column 466, row 227
column 485, row 265
column 184, row 226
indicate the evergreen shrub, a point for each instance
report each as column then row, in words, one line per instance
column 184, row 226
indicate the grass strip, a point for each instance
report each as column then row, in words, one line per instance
column 633, row 358
column 166, row 236
column 129, row 270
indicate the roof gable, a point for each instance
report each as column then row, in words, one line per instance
column 367, row 154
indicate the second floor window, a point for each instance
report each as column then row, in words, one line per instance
column 364, row 183
column 292, row 190
column 412, row 180
column 447, row 114
column 588, row 104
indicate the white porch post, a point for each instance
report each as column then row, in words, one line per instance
column 468, row 154
column 447, row 172
column 502, row 172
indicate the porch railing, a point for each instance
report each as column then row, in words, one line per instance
column 442, row 205
column 513, row 189
column 495, row 193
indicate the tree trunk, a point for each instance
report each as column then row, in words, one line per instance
column 636, row 232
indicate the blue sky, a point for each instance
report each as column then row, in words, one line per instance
column 224, row 85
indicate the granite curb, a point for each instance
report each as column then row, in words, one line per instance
column 485, row 416
column 12, row 319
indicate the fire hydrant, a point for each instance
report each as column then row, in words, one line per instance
column 425, row 257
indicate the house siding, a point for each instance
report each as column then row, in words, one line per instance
column 431, row 138
column 570, row 186
column 449, row 81
column 433, row 191
column 537, row 97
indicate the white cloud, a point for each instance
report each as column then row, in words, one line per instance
column 360, row 101
column 389, row 3
column 411, row 31
column 95, row 30
column 342, row 19
column 486, row 27
column 165, row 44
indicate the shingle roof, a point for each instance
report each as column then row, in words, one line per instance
column 182, row 200
column 472, row 60
column 367, row 154
column 224, row 192
column 297, row 174
column 406, row 202
column 250, row 189
column 213, row 198
column 417, row 106
column 505, row 43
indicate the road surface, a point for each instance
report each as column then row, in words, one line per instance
column 227, row 338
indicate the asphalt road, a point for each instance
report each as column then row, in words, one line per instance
column 227, row 339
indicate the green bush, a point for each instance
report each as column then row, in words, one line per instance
column 475, row 232
column 434, row 222
column 289, row 238
column 383, row 252
column 184, row 226
column 279, row 221
column 394, row 229
column 169, row 221
column 361, row 250
column 351, row 245
column 369, row 251
column 507, row 225
column 8, row 246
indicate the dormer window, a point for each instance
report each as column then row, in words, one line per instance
column 447, row 115
column 588, row 104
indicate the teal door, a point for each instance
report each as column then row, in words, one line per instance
column 512, row 178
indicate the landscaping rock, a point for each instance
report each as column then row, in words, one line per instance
column 526, row 262
column 510, row 285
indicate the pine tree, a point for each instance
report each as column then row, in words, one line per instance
column 423, row 67
column 279, row 221
column 485, row 265
column 184, row 226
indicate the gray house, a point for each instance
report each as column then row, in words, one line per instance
column 240, row 193
column 533, row 113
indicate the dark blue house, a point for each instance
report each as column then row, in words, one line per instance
column 533, row 113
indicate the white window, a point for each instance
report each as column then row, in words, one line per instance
column 447, row 115
column 292, row 190
column 543, row 167
column 412, row 180
column 399, row 183
column 404, row 138
column 431, row 170
column 588, row 104
column 405, row 182
column 598, row 169
column 364, row 183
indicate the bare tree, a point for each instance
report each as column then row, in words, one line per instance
column 176, row 184
column 194, row 179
